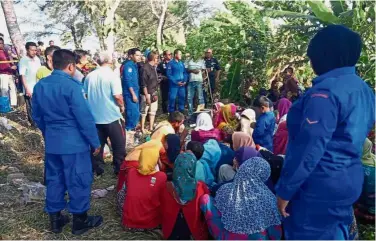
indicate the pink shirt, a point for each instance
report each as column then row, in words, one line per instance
column 203, row 136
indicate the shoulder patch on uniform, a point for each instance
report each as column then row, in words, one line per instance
column 130, row 70
column 311, row 122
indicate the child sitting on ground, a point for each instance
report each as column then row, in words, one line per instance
column 263, row 131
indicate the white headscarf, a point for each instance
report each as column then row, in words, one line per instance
column 204, row 122
column 250, row 114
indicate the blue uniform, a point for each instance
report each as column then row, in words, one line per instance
column 176, row 73
column 263, row 133
column 62, row 114
column 322, row 174
column 131, row 79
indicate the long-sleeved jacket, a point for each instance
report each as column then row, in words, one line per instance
column 62, row 114
column 176, row 72
column 263, row 132
column 130, row 77
column 327, row 128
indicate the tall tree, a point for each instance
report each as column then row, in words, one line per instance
column 12, row 25
column 159, row 9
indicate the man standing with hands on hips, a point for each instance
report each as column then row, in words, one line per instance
column 177, row 78
column 62, row 114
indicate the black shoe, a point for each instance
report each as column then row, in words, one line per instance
column 58, row 221
column 83, row 223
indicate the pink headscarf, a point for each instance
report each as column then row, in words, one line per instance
column 225, row 112
column 283, row 107
column 280, row 139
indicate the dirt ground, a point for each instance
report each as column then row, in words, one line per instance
column 22, row 147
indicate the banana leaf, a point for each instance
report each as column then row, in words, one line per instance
column 287, row 14
column 322, row 12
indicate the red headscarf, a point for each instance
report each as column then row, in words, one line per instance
column 280, row 139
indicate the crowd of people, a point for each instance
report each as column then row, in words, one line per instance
column 292, row 165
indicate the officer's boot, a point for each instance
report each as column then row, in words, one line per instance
column 58, row 221
column 83, row 223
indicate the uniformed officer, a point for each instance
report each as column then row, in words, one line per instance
column 213, row 69
column 62, row 114
column 177, row 77
column 322, row 175
column 162, row 69
column 131, row 89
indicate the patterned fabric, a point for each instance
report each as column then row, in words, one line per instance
column 120, row 197
column 227, row 116
column 217, row 230
column 183, row 176
column 246, row 204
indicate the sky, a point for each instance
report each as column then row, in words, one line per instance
column 30, row 17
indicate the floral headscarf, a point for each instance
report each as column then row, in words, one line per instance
column 247, row 205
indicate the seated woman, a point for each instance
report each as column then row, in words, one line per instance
column 216, row 112
column 227, row 172
column 226, row 121
column 142, row 209
column 244, row 209
column 181, row 214
column 132, row 161
column 205, row 130
column 197, row 149
column 169, row 152
column 275, row 162
column 241, row 139
column 247, row 117
column 365, row 208
column 280, row 139
column 207, row 163
column 283, row 108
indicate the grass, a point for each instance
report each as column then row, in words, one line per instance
column 24, row 150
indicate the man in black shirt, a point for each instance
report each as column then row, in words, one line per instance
column 162, row 68
column 214, row 71
column 149, row 90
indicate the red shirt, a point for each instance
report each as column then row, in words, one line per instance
column 203, row 136
column 142, row 205
column 5, row 68
column 191, row 211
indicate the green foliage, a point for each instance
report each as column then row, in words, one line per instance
column 238, row 37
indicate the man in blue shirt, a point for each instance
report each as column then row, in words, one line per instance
column 131, row 89
column 177, row 78
column 322, row 175
column 62, row 114
column 263, row 132
column 105, row 98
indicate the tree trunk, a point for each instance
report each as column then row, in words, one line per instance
column 12, row 25
column 76, row 41
column 161, row 22
column 109, row 23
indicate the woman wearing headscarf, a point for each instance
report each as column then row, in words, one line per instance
column 181, row 214
column 280, row 139
column 283, row 108
column 216, row 111
column 227, row 172
column 366, row 204
column 322, row 174
column 247, row 117
column 205, row 130
column 244, row 209
column 171, row 146
column 142, row 209
column 241, row 139
column 227, row 118
column 132, row 161
column 208, row 162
